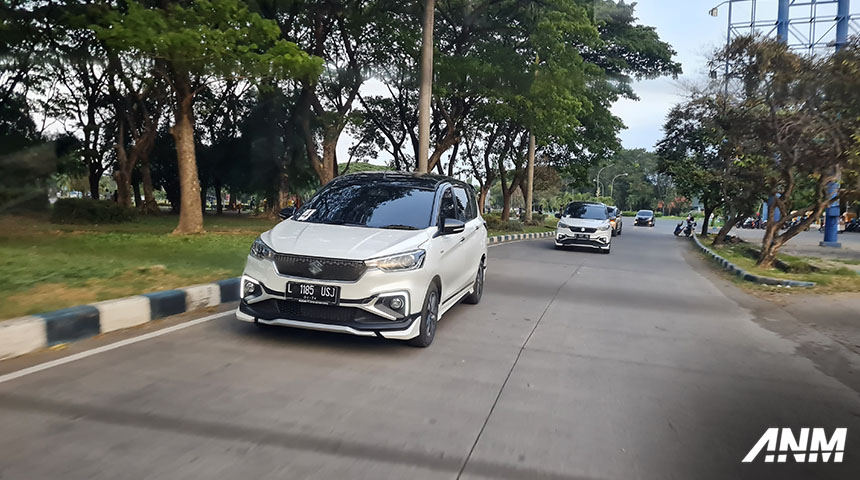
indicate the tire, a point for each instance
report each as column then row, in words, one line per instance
column 619, row 232
column 474, row 298
column 606, row 250
column 429, row 318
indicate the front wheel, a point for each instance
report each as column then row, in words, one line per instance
column 478, row 287
column 606, row 250
column 429, row 319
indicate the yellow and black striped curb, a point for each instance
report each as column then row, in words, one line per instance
column 732, row 268
column 517, row 237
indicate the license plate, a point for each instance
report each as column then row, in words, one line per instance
column 313, row 293
column 582, row 236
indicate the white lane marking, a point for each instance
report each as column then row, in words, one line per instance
column 106, row 348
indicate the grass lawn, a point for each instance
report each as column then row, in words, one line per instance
column 45, row 266
column 830, row 276
column 548, row 226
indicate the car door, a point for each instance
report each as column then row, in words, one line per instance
column 451, row 251
column 475, row 235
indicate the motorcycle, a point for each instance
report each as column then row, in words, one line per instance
column 853, row 225
column 686, row 230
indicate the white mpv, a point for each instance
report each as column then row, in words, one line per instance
column 378, row 254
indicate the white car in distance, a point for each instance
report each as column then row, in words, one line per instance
column 584, row 224
column 376, row 254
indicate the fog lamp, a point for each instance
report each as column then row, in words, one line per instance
column 396, row 303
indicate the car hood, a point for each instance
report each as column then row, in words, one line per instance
column 583, row 222
column 644, row 217
column 341, row 241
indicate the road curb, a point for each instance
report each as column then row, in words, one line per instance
column 732, row 268
column 26, row 334
column 517, row 237
column 34, row 332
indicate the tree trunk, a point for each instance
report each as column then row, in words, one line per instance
column 219, row 205
column 191, row 210
column 123, row 187
column 706, row 220
column 506, row 203
column 149, row 203
column 329, row 166
column 94, row 178
column 135, row 187
column 482, row 198
column 284, row 192
column 724, row 232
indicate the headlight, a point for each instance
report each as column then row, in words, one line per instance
column 262, row 251
column 397, row 263
column 562, row 225
column 604, row 228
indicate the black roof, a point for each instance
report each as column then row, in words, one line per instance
column 420, row 180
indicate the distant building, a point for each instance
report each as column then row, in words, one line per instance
column 696, row 205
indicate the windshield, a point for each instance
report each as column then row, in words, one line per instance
column 645, row 213
column 370, row 205
column 586, row 211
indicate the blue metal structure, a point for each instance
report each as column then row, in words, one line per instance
column 809, row 25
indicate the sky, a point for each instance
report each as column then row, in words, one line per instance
column 686, row 25
column 693, row 33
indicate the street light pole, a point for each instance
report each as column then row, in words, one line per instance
column 426, row 88
column 612, row 185
column 598, row 178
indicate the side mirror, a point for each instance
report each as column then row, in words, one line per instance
column 286, row 213
column 558, row 215
column 452, row 225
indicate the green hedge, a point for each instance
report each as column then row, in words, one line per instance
column 495, row 223
column 87, row 210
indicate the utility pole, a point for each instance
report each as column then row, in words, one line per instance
column 832, row 213
column 531, row 167
column 531, row 170
column 426, row 88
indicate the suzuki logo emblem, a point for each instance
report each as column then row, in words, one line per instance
column 315, row 267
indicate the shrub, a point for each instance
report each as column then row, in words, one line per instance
column 537, row 219
column 495, row 223
column 87, row 210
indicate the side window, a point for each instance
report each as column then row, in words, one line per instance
column 447, row 208
column 465, row 204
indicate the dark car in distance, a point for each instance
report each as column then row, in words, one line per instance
column 644, row 218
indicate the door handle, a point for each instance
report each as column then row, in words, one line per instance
column 462, row 239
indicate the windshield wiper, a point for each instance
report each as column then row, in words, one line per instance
column 399, row 227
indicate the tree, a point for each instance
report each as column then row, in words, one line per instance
column 192, row 44
column 692, row 152
column 799, row 129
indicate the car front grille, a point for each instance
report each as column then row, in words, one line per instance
column 319, row 268
column 316, row 313
column 583, row 229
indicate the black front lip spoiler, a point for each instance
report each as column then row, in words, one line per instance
column 382, row 325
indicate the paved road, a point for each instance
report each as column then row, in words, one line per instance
column 575, row 365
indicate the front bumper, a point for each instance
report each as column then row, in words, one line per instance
column 361, row 310
column 565, row 237
column 643, row 221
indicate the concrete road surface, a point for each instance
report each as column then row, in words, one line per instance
column 576, row 365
